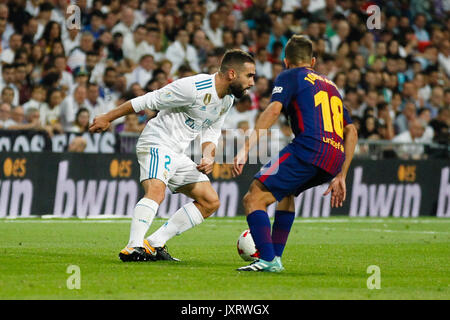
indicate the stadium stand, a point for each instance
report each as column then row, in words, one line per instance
column 394, row 78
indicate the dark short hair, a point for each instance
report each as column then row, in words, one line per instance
column 7, row 66
column 98, row 13
column 235, row 58
column 298, row 49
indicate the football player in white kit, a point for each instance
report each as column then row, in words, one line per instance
column 188, row 107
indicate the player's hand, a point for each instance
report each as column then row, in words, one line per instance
column 100, row 123
column 338, row 191
column 206, row 165
column 239, row 162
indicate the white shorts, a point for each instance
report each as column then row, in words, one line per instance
column 174, row 169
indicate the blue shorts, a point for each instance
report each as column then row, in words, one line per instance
column 288, row 175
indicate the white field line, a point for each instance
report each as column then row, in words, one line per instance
column 122, row 219
column 378, row 230
column 310, row 221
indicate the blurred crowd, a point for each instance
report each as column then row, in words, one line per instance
column 60, row 69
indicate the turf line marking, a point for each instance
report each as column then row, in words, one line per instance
column 122, row 219
column 379, row 230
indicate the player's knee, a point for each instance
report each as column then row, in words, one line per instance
column 159, row 198
column 155, row 190
column 155, row 196
column 214, row 205
column 249, row 200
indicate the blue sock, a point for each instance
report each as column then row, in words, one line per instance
column 280, row 230
column 259, row 224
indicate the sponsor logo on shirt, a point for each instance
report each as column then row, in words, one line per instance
column 196, row 126
column 277, row 90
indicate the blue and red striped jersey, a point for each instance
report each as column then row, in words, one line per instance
column 316, row 114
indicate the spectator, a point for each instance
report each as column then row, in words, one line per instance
column 127, row 23
column 143, row 72
column 108, row 91
column 5, row 115
column 444, row 57
column 436, row 101
column 7, row 95
column 30, row 30
column 94, row 103
column 135, row 45
column 263, row 66
column 424, row 115
column 242, row 111
column 94, row 67
column 369, row 129
column 66, row 81
column 78, row 144
column 51, row 34
column 213, row 30
column 77, row 57
column 343, row 30
column 115, row 51
column 277, row 35
column 22, row 83
column 410, row 93
column 424, row 89
column 260, row 89
column 415, row 133
column 408, row 114
column 421, row 33
column 70, row 106
column 9, row 28
column 441, row 126
column 385, row 119
column 81, row 123
column 32, row 121
column 50, row 112
column 37, row 99
column 181, row 52
column 8, row 80
column 96, row 27
column 155, row 41
column 15, row 42
column 340, row 80
column 132, row 124
column 72, row 39
column 17, row 115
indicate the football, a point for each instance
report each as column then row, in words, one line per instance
column 246, row 246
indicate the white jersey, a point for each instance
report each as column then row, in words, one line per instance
column 188, row 107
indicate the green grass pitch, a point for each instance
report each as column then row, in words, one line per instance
column 324, row 259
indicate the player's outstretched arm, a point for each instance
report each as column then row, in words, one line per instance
column 103, row 121
column 264, row 122
column 337, row 186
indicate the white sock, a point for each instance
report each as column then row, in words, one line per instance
column 187, row 217
column 144, row 212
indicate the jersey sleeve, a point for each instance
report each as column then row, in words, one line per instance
column 179, row 93
column 347, row 117
column 213, row 132
column 283, row 90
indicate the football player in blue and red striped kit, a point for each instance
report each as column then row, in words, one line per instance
column 321, row 152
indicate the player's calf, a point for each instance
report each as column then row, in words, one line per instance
column 207, row 208
column 257, row 198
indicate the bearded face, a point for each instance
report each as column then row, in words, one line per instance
column 237, row 89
